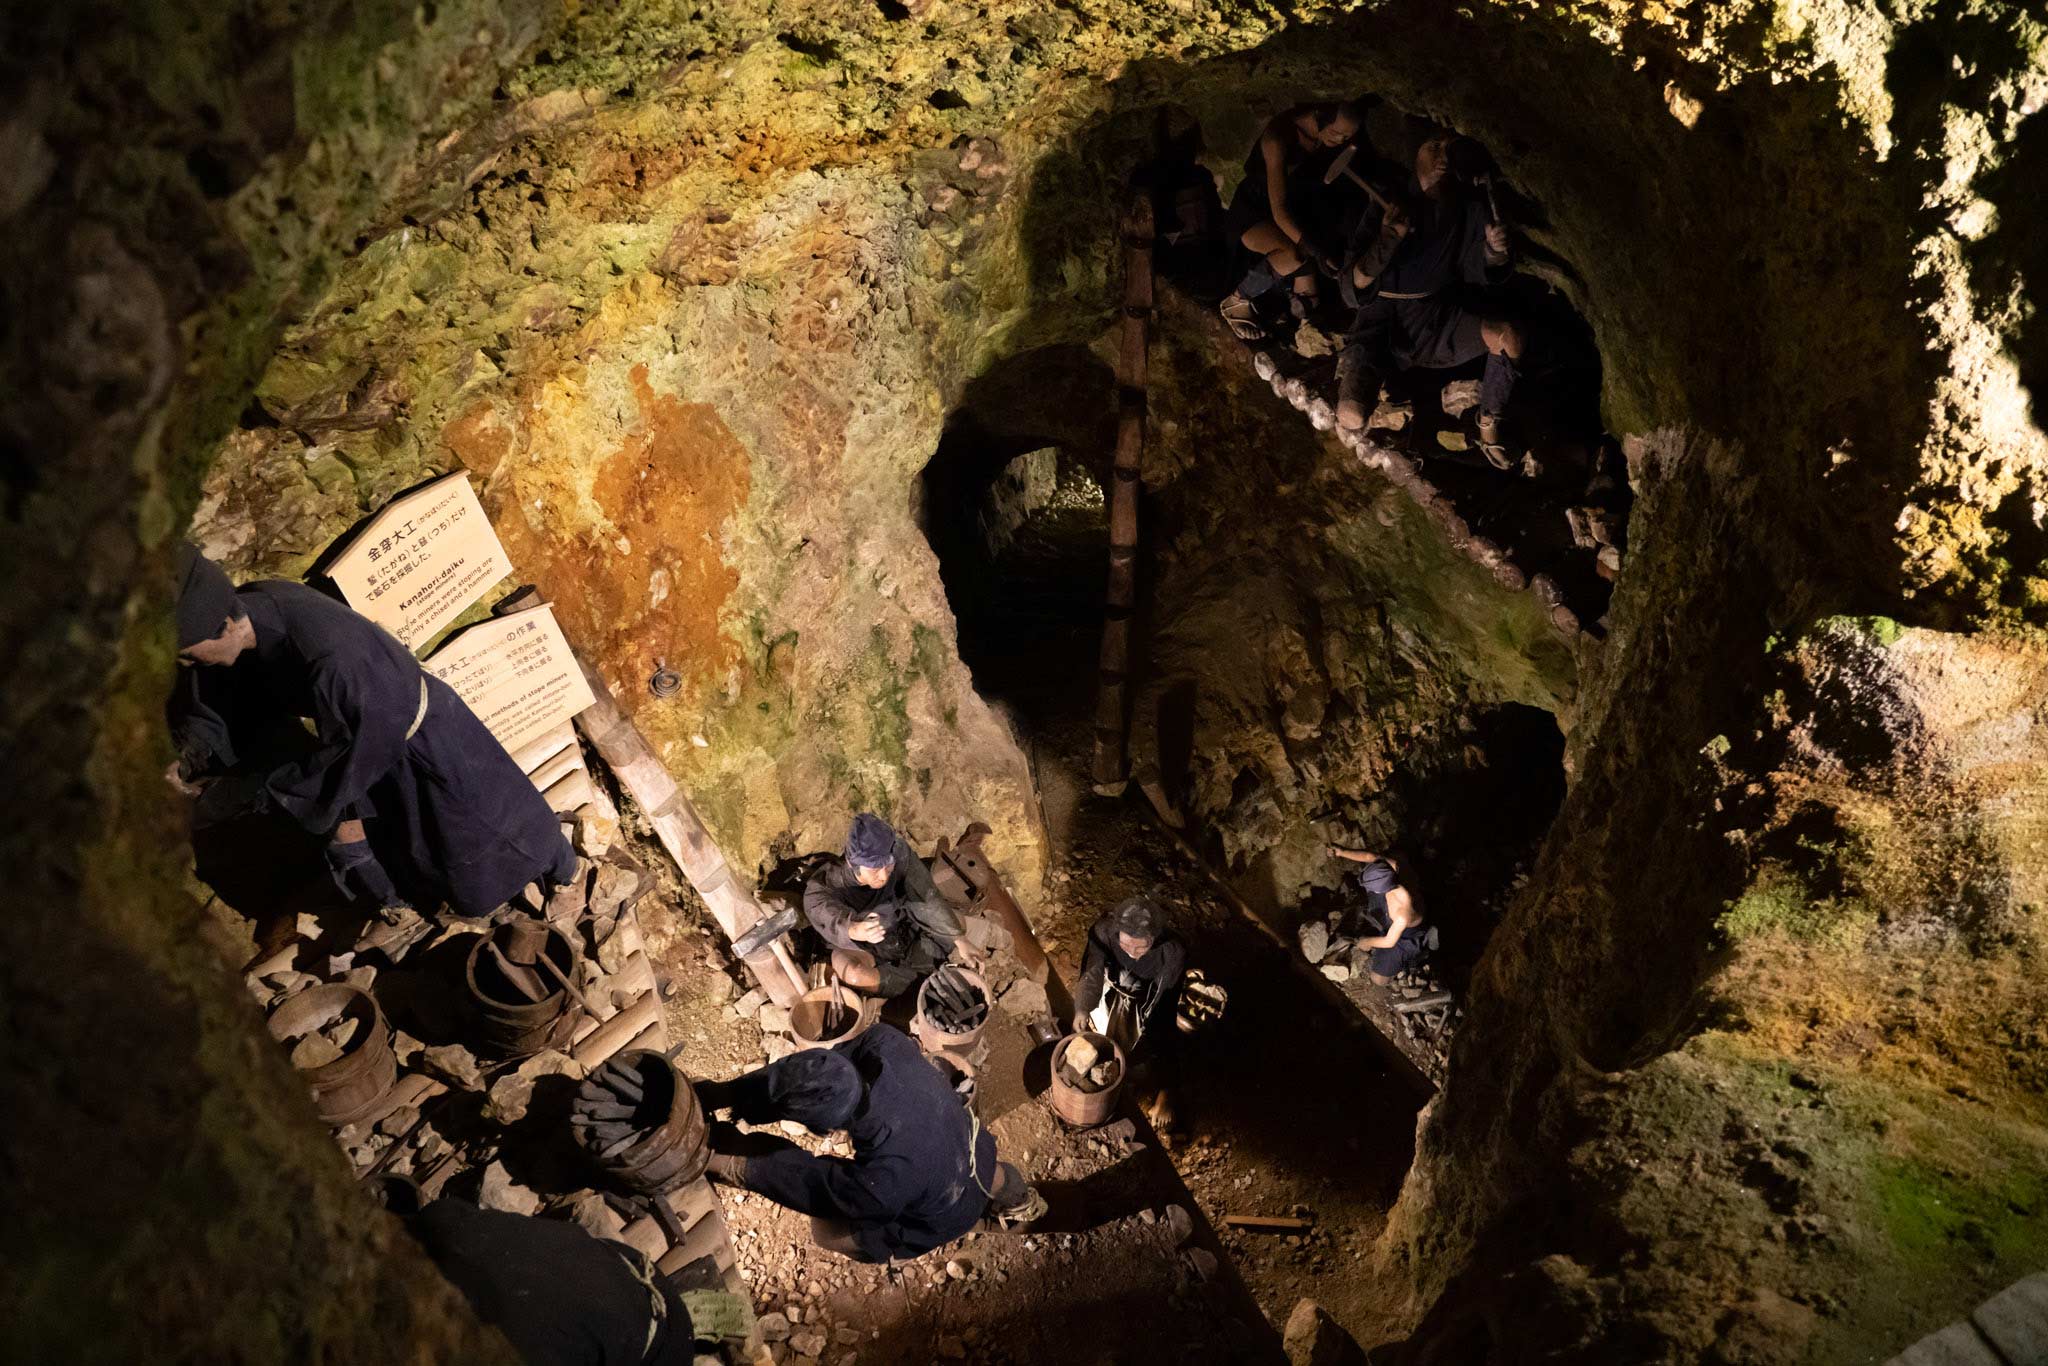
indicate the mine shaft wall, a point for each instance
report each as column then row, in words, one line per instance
column 1774, row 221
column 180, row 178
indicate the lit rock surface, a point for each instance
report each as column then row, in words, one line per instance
column 703, row 289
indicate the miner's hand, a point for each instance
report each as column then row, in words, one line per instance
column 866, row 931
column 175, row 776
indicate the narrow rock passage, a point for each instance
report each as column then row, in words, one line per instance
column 1286, row 1108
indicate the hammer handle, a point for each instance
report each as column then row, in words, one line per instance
column 1360, row 181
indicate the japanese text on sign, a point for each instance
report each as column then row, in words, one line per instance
column 516, row 673
column 415, row 566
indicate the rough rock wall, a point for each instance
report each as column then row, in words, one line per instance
column 1318, row 667
column 696, row 411
column 175, row 180
column 1752, row 1071
column 1802, row 233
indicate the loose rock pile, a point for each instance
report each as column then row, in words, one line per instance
column 1418, row 1013
column 1085, row 1067
column 500, row 1131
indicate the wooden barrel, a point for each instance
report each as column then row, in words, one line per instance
column 675, row 1143
column 931, row 1034
column 814, row 1023
column 353, row 1085
column 1086, row 1109
column 509, row 1025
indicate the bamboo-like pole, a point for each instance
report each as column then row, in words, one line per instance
column 676, row 823
column 682, row 832
column 1112, row 696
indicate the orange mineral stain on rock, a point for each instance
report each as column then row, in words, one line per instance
column 479, row 439
column 649, row 584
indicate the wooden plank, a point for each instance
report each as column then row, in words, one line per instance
column 645, row 1236
column 612, row 1035
column 1267, row 1223
column 530, row 756
column 2015, row 1320
column 654, row 1037
column 552, row 771
column 574, row 790
column 683, row 834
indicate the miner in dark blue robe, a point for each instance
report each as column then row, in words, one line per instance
column 418, row 801
column 560, row 1296
column 1412, row 271
column 923, row 1170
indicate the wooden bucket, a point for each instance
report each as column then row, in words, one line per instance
column 1086, row 1109
column 353, row 1085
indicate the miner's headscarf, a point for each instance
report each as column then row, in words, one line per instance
column 870, row 843
column 816, row 1088
column 206, row 597
column 1378, row 876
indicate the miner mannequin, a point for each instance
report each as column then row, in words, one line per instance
column 418, row 801
column 1129, row 991
column 878, row 909
column 560, row 1296
column 923, row 1170
column 1398, row 937
column 1285, row 213
column 1410, row 273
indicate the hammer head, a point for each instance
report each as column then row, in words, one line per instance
column 1340, row 165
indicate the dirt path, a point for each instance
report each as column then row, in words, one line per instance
column 1289, row 1109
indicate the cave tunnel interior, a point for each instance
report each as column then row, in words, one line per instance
column 1020, row 529
column 1564, row 466
column 1707, row 1067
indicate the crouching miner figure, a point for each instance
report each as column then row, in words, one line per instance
column 1394, row 937
column 923, row 1170
column 878, row 908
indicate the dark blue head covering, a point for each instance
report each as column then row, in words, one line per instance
column 206, row 597
column 1140, row 918
column 816, row 1088
column 1378, row 876
column 871, row 843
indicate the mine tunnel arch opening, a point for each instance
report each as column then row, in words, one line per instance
column 1013, row 506
column 1475, row 830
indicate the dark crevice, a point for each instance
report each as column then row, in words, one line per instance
column 1019, row 527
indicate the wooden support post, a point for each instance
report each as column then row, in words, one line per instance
column 681, row 831
column 1112, row 697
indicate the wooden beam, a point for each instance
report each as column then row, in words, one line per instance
column 682, row 832
column 1111, row 759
